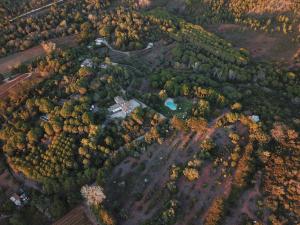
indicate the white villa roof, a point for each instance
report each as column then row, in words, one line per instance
column 255, row 118
column 114, row 107
column 100, row 41
column 123, row 107
column 16, row 199
column 150, row 45
column 87, row 63
column 119, row 100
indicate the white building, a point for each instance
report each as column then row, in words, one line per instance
column 16, row 199
column 103, row 66
column 122, row 108
column 45, row 118
column 19, row 200
column 150, row 45
column 101, row 41
column 87, row 63
column 255, row 118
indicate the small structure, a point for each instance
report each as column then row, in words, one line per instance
column 87, row 63
column 150, row 45
column 94, row 108
column 16, row 199
column 44, row 118
column 101, row 41
column 255, row 118
column 103, row 66
column 122, row 108
column 19, row 200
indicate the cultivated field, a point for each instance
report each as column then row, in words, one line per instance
column 76, row 216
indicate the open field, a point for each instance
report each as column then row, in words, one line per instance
column 261, row 45
column 139, row 184
column 76, row 216
column 12, row 61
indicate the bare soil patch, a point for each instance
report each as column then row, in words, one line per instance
column 246, row 205
column 9, row 62
column 139, row 183
column 8, row 183
column 76, row 216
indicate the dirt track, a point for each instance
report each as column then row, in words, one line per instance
column 9, row 62
column 4, row 88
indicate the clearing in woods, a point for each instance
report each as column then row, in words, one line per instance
column 76, row 216
column 139, row 183
column 12, row 61
column 261, row 45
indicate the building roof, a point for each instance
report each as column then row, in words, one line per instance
column 87, row 63
column 119, row 100
column 255, row 118
column 114, row 107
column 16, row 199
column 125, row 106
column 100, row 41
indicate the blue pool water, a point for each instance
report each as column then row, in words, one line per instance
column 170, row 104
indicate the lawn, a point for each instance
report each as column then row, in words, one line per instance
column 184, row 108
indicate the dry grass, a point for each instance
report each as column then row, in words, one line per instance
column 76, row 216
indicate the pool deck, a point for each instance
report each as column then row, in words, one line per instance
column 169, row 101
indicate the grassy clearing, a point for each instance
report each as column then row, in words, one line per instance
column 184, row 107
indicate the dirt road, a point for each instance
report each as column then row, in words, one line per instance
column 36, row 10
column 11, row 61
column 4, row 88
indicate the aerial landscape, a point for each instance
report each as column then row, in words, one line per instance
column 149, row 112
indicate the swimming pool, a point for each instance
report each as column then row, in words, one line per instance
column 170, row 104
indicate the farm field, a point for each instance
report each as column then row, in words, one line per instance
column 76, row 216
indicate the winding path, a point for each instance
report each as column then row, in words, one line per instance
column 103, row 41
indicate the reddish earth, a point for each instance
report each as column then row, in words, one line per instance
column 7, row 182
column 246, row 204
column 77, row 216
column 142, row 200
column 12, row 61
column 157, row 161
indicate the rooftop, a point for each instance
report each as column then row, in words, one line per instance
column 122, row 108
